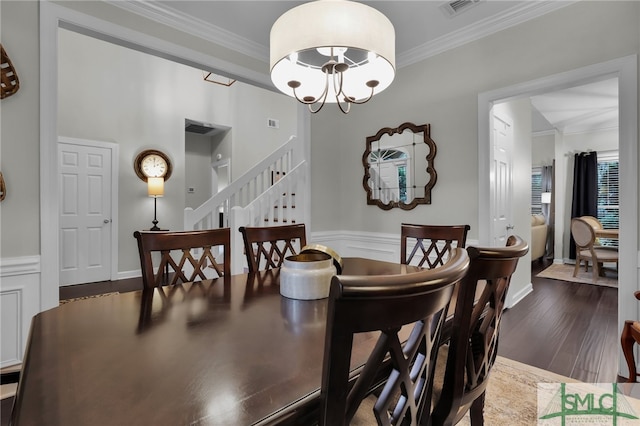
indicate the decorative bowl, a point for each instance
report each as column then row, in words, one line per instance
column 306, row 276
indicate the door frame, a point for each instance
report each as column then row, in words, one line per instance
column 626, row 70
column 54, row 16
column 115, row 152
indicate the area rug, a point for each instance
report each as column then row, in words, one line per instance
column 564, row 272
column 518, row 395
column 75, row 299
column 512, row 393
column 511, row 398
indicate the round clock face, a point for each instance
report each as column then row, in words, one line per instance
column 154, row 166
column 152, row 163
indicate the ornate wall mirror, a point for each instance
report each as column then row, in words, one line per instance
column 398, row 167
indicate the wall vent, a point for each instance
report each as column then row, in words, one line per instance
column 205, row 129
column 273, row 123
column 456, row 7
column 198, row 128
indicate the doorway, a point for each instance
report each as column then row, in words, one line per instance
column 625, row 69
column 88, row 181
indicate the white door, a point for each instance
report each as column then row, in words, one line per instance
column 501, row 171
column 85, row 213
column 389, row 177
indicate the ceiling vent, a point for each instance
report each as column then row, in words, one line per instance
column 201, row 128
column 456, row 7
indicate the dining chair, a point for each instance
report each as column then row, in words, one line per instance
column 473, row 347
column 360, row 304
column 266, row 247
column 630, row 336
column 432, row 242
column 586, row 250
column 185, row 256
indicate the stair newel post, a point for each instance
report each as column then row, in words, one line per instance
column 238, row 217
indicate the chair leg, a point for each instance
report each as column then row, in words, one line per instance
column 476, row 412
column 627, row 341
column 575, row 270
column 595, row 273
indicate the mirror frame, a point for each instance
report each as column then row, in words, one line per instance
column 431, row 171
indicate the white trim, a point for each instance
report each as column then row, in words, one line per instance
column 626, row 70
column 516, row 298
column 114, row 148
column 189, row 24
column 116, row 34
column 17, row 342
column 507, row 19
column 192, row 25
column 550, row 132
column 20, row 287
column 12, row 266
column 53, row 16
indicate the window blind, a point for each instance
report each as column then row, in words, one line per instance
column 536, row 190
column 608, row 194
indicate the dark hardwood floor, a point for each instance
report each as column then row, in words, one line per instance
column 567, row 328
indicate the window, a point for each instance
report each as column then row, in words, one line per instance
column 536, row 190
column 608, row 193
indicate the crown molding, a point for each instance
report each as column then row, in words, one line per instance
column 509, row 18
column 541, row 133
column 191, row 25
column 197, row 27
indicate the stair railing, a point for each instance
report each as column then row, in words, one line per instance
column 243, row 190
column 281, row 204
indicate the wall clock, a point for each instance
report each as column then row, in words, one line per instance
column 152, row 163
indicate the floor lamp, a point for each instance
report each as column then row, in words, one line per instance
column 155, row 189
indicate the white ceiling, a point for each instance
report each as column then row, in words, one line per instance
column 423, row 29
column 579, row 109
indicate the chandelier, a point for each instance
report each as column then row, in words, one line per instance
column 334, row 51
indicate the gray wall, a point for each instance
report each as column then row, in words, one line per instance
column 443, row 90
column 20, row 133
column 111, row 93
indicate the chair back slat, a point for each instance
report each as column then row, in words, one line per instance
column 184, row 256
column 266, row 247
column 473, row 346
column 430, row 244
column 386, row 304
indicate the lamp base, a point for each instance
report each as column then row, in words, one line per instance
column 155, row 220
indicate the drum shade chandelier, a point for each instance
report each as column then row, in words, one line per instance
column 334, row 51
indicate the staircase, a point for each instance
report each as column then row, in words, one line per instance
column 271, row 193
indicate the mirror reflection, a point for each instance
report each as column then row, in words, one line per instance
column 398, row 167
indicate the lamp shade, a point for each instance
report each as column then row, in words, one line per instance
column 545, row 198
column 306, row 37
column 155, row 186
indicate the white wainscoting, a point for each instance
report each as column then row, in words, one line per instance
column 384, row 247
column 19, row 302
column 371, row 245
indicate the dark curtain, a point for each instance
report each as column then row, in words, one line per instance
column 585, row 190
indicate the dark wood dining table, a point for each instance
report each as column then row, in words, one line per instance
column 221, row 352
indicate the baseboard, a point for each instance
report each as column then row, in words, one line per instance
column 513, row 301
column 124, row 275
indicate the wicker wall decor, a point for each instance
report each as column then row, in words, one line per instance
column 9, row 83
column 3, row 188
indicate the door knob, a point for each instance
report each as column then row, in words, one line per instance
column 510, row 227
column 107, row 220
